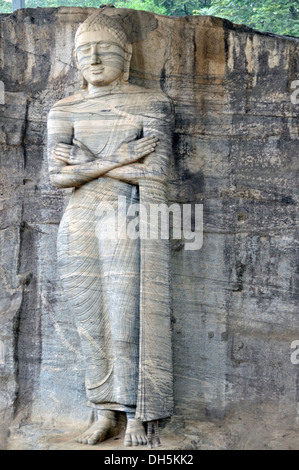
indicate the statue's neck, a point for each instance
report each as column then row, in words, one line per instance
column 105, row 89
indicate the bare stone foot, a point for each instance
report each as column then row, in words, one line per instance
column 102, row 429
column 135, row 433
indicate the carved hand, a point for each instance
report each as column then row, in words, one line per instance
column 81, row 166
column 133, row 151
column 73, row 154
column 137, row 172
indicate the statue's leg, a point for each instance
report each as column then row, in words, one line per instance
column 120, row 265
column 101, row 281
column 121, row 283
column 80, row 272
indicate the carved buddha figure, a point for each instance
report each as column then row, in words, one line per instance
column 109, row 140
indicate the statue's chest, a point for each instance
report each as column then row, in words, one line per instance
column 104, row 129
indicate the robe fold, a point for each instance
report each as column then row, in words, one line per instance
column 117, row 287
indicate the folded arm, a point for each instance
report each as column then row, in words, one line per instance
column 158, row 119
column 72, row 164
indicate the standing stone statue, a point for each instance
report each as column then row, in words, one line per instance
column 111, row 140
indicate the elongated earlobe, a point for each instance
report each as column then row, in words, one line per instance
column 128, row 57
column 83, row 82
column 76, row 58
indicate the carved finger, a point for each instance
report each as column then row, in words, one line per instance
column 64, row 152
column 67, row 158
column 62, row 159
column 59, row 148
column 145, row 154
column 146, row 151
column 146, row 140
column 61, row 154
column 147, row 146
column 144, row 145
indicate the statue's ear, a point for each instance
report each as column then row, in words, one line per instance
column 83, row 82
column 76, row 58
column 128, row 56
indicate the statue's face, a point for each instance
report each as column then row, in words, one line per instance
column 101, row 58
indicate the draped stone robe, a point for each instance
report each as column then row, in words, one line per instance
column 117, row 288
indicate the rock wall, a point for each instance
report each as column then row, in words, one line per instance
column 235, row 301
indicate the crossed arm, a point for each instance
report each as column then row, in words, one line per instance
column 72, row 164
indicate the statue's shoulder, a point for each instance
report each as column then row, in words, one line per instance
column 68, row 102
column 149, row 97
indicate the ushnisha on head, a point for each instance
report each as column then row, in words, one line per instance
column 102, row 51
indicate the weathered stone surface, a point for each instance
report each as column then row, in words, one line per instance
column 235, row 302
column 112, row 141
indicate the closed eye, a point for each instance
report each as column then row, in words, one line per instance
column 84, row 48
column 105, row 46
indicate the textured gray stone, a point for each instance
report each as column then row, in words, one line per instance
column 235, row 302
column 113, row 140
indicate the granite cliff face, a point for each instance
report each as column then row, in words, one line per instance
column 235, row 301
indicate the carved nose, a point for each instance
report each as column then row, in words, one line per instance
column 95, row 59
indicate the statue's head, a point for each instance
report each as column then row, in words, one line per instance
column 102, row 50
